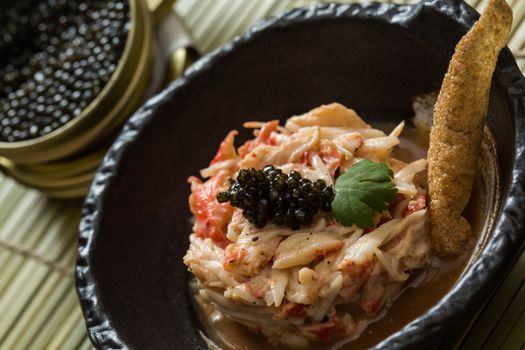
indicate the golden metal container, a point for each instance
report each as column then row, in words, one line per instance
column 118, row 97
column 62, row 163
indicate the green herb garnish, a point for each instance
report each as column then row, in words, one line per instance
column 365, row 189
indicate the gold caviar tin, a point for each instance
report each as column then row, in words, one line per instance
column 62, row 163
column 77, row 134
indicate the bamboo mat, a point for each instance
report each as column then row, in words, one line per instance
column 38, row 302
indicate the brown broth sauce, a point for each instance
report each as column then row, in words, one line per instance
column 411, row 303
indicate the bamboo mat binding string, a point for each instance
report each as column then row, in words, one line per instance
column 38, row 303
column 29, row 254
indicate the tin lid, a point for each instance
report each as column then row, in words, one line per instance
column 53, row 181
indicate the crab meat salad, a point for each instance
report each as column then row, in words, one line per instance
column 307, row 232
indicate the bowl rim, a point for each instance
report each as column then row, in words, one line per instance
column 428, row 327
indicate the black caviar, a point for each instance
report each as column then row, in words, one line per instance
column 55, row 57
column 269, row 194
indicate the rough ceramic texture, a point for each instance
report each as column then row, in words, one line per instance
column 153, row 310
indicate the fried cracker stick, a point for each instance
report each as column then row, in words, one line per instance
column 459, row 117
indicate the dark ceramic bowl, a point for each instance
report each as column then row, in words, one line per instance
column 375, row 58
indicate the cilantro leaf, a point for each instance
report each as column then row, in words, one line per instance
column 365, row 189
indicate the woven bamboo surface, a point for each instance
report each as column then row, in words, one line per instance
column 38, row 302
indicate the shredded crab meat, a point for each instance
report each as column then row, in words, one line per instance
column 334, row 115
column 302, row 248
column 404, row 178
column 285, row 282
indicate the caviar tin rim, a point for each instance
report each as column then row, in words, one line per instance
column 19, row 150
column 79, row 138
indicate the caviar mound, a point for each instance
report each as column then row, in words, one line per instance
column 55, row 57
column 270, row 194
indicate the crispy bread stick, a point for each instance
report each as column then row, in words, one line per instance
column 456, row 133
